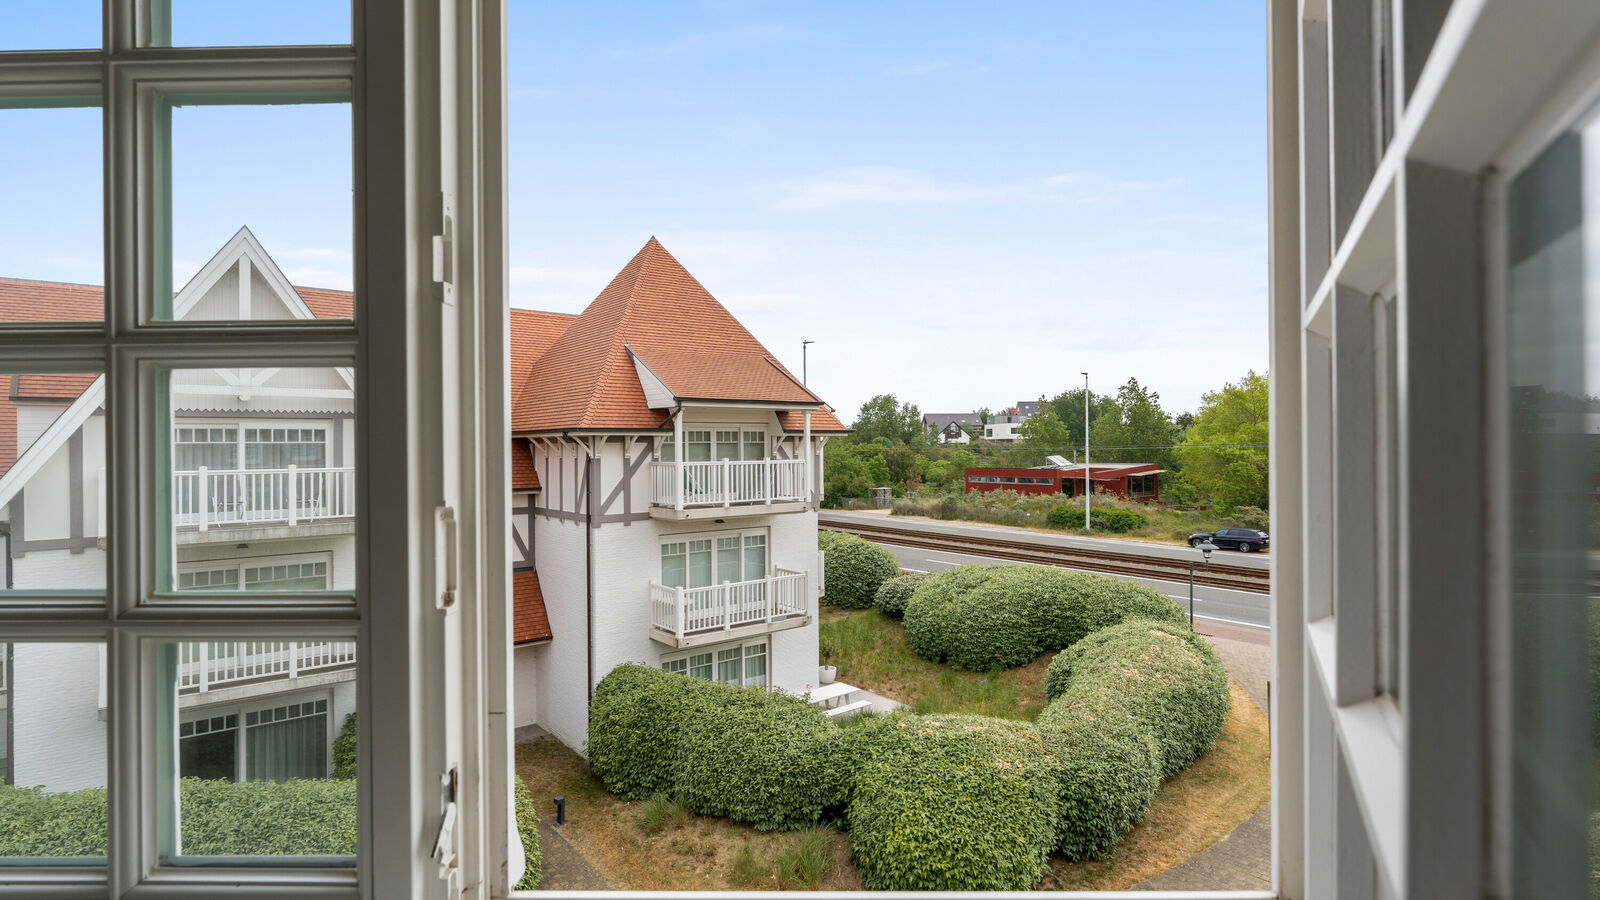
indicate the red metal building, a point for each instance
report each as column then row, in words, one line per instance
column 1130, row 481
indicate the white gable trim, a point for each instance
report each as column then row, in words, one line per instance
column 65, row 425
column 657, row 395
column 243, row 245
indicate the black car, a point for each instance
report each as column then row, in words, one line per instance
column 1245, row 540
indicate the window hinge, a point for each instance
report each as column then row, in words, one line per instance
column 444, row 846
column 444, row 249
column 445, row 557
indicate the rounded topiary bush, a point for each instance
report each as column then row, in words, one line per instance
column 635, row 720
column 853, row 569
column 986, row 617
column 1115, row 519
column 1108, row 768
column 955, row 803
column 1162, row 674
column 893, row 594
column 759, row 757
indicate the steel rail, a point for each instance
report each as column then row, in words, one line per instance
column 1110, row 562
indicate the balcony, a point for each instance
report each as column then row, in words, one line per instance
column 727, row 487
column 687, row 617
column 206, row 499
column 210, row 665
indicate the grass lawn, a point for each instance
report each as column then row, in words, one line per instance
column 653, row 845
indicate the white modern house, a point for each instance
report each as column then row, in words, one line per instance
column 951, row 428
column 1004, row 426
column 666, row 478
column 261, row 497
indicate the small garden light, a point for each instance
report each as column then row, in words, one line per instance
column 561, row 810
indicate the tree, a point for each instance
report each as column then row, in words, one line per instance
column 1147, row 431
column 1068, row 406
column 1044, row 430
column 885, row 417
column 1225, row 451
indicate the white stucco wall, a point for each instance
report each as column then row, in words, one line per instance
column 60, row 570
column 525, row 693
column 561, row 666
column 60, row 739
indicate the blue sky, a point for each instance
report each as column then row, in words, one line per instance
column 965, row 205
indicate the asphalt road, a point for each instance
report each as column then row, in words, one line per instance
column 1244, row 615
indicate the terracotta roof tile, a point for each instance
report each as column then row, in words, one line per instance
column 523, row 475
column 706, row 374
column 586, row 380
column 822, row 422
column 528, row 619
column 50, row 301
column 33, row 386
column 8, row 425
column 532, row 333
column 326, row 304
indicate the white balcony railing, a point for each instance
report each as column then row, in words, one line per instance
column 725, row 482
column 203, row 666
column 685, row 611
column 291, row 496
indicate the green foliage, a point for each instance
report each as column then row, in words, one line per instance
column 1115, row 519
column 344, row 749
column 1068, row 407
column 70, row 823
column 220, row 818
column 661, row 812
column 1224, row 453
column 1163, row 675
column 955, row 803
column 854, row 569
column 801, row 864
column 1252, row 517
column 635, row 720
column 528, row 830
column 884, row 417
column 760, row 757
column 1066, row 516
column 893, row 594
column 1108, row 769
column 1045, row 430
column 985, row 617
column 746, row 870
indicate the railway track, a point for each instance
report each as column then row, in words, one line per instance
column 1220, row 575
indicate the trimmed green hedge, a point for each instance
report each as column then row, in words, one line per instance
column 528, row 830
column 1163, row 675
column 955, row 803
column 760, row 757
column 1108, row 769
column 220, row 818
column 893, row 594
column 986, row 617
column 853, row 569
column 635, row 720
column 344, row 749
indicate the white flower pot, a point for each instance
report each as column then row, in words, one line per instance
column 825, row 674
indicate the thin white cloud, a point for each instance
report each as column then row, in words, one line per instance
column 913, row 70
column 739, row 37
column 895, row 186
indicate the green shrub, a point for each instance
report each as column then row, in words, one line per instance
column 1108, row 768
column 759, row 757
column 987, row 617
column 1164, row 676
column 1115, row 519
column 893, row 594
column 528, row 830
column 854, row 569
column 68, row 823
column 1066, row 515
column 955, row 803
column 1252, row 517
column 661, row 812
column 635, row 720
column 344, row 749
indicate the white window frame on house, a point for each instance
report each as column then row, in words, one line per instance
column 742, row 534
column 425, row 79
column 714, row 430
column 243, row 708
column 240, row 564
column 681, row 663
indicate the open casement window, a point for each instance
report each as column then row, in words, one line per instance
column 272, row 499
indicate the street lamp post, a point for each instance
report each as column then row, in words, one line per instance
column 804, row 366
column 1088, row 491
column 1205, row 548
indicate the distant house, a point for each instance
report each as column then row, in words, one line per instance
column 1129, row 481
column 952, row 428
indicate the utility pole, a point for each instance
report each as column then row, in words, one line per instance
column 1087, row 490
column 804, row 346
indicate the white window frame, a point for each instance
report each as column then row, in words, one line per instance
column 713, row 650
column 763, row 532
column 427, row 81
column 242, row 708
column 744, row 429
column 241, row 563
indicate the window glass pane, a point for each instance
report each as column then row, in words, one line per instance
column 755, row 556
column 261, row 211
column 700, row 665
column 697, row 446
column 51, row 250
column 58, row 25
column 728, row 559
column 672, row 565
column 728, row 665
column 259, row 726
column 699, row 564
column 755, row 445
column 727, row 445
column 52, row 750
column 1553, row 330
column 666, row 454
column 262, row 477
column 52, row 480
column 755, row 665
column 231, row 23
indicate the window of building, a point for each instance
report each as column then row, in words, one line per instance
column 703, row 561
column 740, row 664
